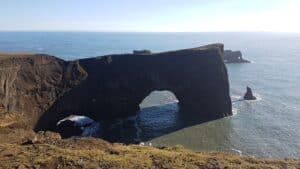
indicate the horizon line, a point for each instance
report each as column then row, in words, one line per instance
column 99, row 31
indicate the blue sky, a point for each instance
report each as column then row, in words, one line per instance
column 151, row 15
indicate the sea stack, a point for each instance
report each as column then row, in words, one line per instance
column 234, row 57
column 249, row 95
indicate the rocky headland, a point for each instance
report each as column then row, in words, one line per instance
column 45, row 89
column 38, row 90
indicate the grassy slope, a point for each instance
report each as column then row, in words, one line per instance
column 95, row 153
column 47, row 150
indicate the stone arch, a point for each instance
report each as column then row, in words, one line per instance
column 115, row 85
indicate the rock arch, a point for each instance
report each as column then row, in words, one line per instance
column 117, row 84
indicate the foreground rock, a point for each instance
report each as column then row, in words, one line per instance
column 249, row 95
column 45, row 89
column 234, row 57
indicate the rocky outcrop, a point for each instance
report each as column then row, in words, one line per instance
column 46, row 89
column 249, row 95
column 234, row 57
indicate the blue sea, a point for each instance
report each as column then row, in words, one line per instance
column 268, row 127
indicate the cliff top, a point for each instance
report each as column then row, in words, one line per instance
column 15, row 54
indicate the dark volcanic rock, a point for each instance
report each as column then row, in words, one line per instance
column 117, row 84
column 249, row 95
column 234, row 57
column 48, row 89
column 142, row 52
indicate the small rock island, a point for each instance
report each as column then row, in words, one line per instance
column 249, row 95
column 234, row 57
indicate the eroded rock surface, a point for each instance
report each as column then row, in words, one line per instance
column 30, row 84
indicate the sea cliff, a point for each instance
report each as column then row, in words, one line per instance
column 45, row 89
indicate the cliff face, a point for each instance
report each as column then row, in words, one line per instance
column 30, row 84
column 46, row 89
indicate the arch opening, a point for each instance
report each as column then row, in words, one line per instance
column 159, row 98
column 158, row 115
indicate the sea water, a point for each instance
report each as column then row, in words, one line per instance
column 267, row 127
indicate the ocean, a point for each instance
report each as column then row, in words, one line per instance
column 268, row 127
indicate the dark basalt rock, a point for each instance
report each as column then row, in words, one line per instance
column 46, row 89
column 249, row 95
column 234, row 57
column 142, row 52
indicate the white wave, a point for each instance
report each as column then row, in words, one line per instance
column 88, row 126
column 233, row 96
column 258, row 98
column 237, row 98
column 237, row 151
column 79, row 120
column 234, row 111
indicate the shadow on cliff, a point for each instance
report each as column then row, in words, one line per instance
column 117, row 84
